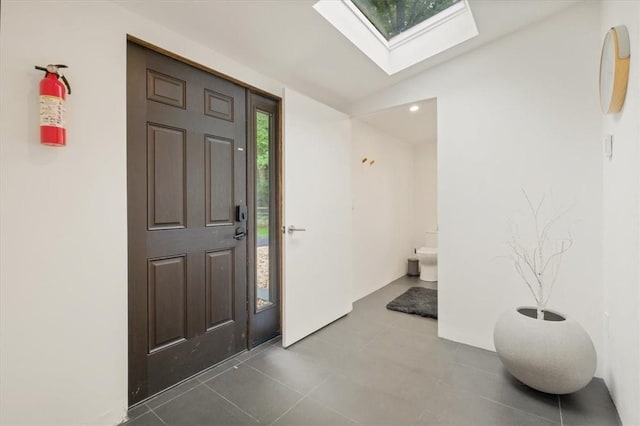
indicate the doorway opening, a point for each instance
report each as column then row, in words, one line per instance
column 395, row 176
column 192, row 227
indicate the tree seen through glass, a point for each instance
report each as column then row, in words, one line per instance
column 392, row 17
column 263, row 139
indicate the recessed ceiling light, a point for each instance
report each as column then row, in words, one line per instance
column 414, row 108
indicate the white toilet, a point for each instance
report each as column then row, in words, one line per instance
column 428, row 258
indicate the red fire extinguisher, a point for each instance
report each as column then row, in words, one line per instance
column 52, row 108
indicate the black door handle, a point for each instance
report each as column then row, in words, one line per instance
column 240, row 234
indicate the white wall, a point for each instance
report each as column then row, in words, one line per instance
column 521, row 112
column 317, row 193
column 63, row 270
column 621, row 214
column 425, row 191
column 382, row 208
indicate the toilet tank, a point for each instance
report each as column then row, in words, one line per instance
column 431, row 239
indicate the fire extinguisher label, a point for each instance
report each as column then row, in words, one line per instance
column 51, row 111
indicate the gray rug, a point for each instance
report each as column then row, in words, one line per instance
column 417, row 300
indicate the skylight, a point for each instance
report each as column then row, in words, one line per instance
column 394, row 17
column 396, row 34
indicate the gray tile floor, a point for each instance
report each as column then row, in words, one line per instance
column 372, row 367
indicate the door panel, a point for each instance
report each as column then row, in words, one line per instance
column 218, row 105
column 167, row 302
column 219, row 181
column 318, row 198
column 219, row 287
column 166, row 177
column 186, row 172
column 166, row 89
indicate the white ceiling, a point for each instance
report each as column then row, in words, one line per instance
column 417, row 127
column 289, row 41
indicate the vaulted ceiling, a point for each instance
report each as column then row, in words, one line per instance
column 289, row 41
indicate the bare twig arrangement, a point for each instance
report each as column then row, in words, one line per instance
column 538, row 266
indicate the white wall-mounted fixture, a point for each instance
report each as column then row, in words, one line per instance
column 608, row 146
column 414, row 108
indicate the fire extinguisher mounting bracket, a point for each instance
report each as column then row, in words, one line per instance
column 55, row 69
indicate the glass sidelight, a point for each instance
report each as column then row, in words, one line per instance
column 264, row 219
column 263, row 161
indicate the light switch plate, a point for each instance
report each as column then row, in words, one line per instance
column 608, row 146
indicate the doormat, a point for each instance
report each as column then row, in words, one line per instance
column 417, row 300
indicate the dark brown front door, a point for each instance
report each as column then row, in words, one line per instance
column 186, row 174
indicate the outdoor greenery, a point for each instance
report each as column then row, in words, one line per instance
column 263, row 231
column 262, row 136
column 262, row 159
column 391, row 17
column 262, row 173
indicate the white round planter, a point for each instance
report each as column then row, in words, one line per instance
column 554, row 355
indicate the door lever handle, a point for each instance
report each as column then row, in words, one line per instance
column 240, row 234
column 292, row 228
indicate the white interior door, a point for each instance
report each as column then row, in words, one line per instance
column 317, row 198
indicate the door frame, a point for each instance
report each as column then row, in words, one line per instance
column 256, row 102
column 279, row 184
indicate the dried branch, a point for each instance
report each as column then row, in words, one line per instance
column 560, row 252
column 537, row 270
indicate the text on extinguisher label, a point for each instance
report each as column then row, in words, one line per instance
column 51, row 111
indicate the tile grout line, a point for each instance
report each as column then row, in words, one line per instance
column 130, row 419
column 219, row 374
column 199, row 383
column 395, row 325
column 332, row 374
column 374, row 339
column 304, row 396
column 473, row 367
column 421, row 334
column 256, row 353
column 160, row 418
column 439, row 382
column 276, row 380
column 560, row 408
column 327, row 407
column 289, row 409
column 504, row 404
column 264, row 347
column 515, row 408
column 309, row 357
column 230, row 402
column 314, row 388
